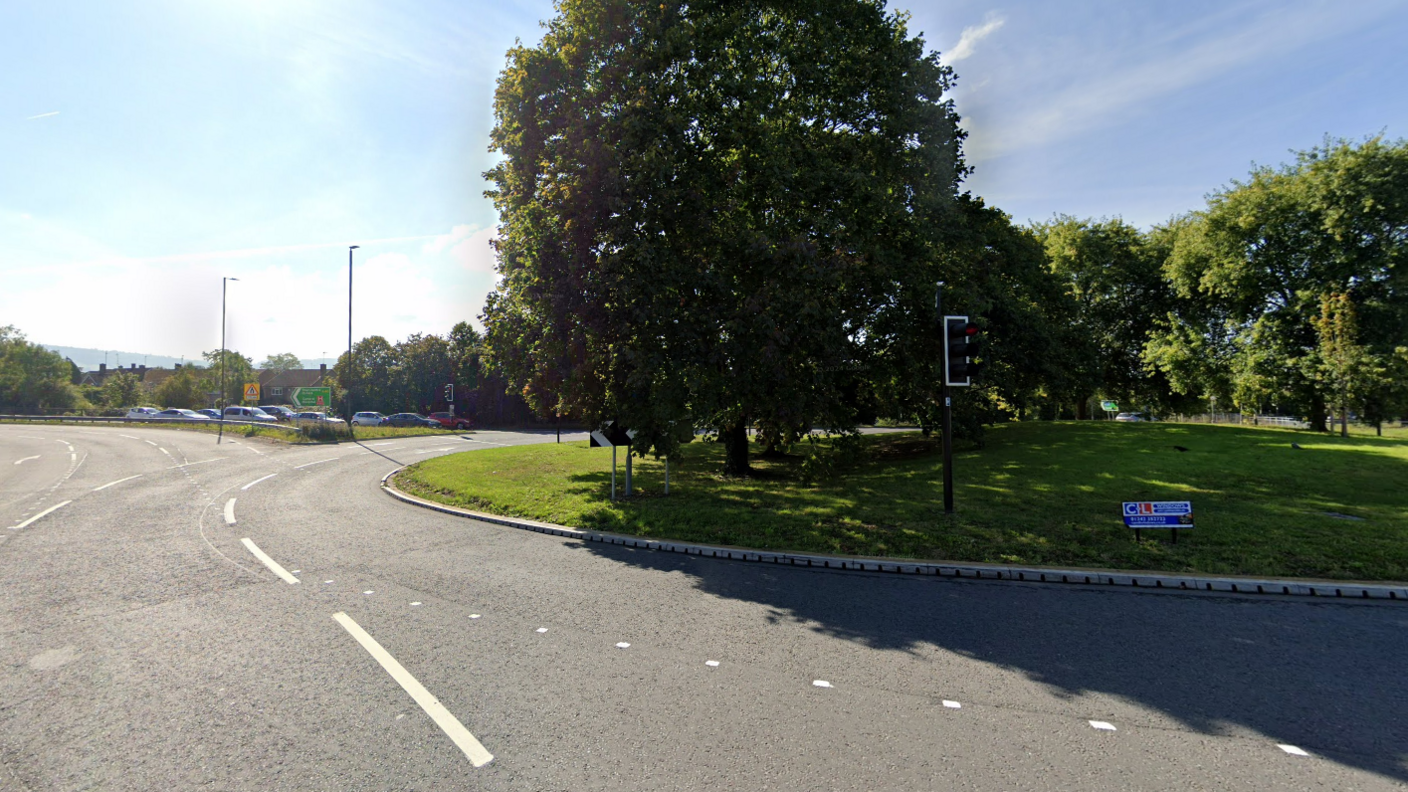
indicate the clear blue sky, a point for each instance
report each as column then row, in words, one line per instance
column 152, row 146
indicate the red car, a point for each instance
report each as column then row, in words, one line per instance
column 452, row 421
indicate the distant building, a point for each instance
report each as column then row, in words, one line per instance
column 275, row 387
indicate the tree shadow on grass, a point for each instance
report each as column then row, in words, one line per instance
column 1325, row 676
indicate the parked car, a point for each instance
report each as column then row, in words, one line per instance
column 248, row 414
column 209, row 413
column 142, row 412
column 318, row 417
column 1134, row 417
column 279, row 412
column 368, row 419
column 411, row 419
column 181, row 415
column 449, row 421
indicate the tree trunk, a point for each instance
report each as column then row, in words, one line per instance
column 1082, row 411
column 735, row 439
column 1344, row 421
column 1317, row 413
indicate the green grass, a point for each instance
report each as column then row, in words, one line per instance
column 1039, row 493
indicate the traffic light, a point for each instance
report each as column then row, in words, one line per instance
column 960, row 346
column 449, row 392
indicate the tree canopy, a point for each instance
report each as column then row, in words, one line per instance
column 711, row 213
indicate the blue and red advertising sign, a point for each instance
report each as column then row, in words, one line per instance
column 1158, row 514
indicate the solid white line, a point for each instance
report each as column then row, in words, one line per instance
column 256, row 481
column 119, row 481
column 268, row 562
column 201, row 462
column 230, row 512
column 319, row 462
column 53, row 508
column 455, row 730
column 26, row 459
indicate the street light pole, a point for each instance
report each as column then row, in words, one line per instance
column 349, row 337
column 220, row 400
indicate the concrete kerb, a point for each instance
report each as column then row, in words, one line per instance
column 1087, row 577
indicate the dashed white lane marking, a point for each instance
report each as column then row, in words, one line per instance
column 26, row 459
column 821, row 683
column 485, row 442
column 473, row 615
column 230, row 512
column 415, row 603
column 256, row 481
column 1292, row 750
column 952, row 704
column 1103, row 725
column 327, row 581
column 319, row 462
column 712, row 663
column 368, row 592
column 119, row 481
column 377, row 445
column 623, row 645
column 72, row 456
column 148, row 442
column 129, row 437
column 542, row 629
column 453, row 729
column 49, row 510
column 268, row 562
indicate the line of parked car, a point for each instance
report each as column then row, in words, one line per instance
column 274, row 414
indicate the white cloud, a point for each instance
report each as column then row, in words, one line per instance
column 42, row 115
column 474, row 253
column 968, row 42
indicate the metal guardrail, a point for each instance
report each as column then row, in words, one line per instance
column 152, row 421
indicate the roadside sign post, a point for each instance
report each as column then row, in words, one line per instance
column 1158, row 514
column 613, row 435
column 251, row 392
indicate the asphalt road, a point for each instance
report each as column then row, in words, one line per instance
column 145, row 645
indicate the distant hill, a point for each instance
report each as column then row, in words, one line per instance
column 89, row 359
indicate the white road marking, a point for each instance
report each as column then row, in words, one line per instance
column 623, row 645
column 268, row 562
column 26, row 459
column 473, row 615
column 455, row 730
column 415, row 603
column 201, row 462
column 72, row 456
column 375, row 445
column 542, row 629
column 230, row 512
column 119, row 481
column 1292, row 750
column 1103, row 726
column 296, row 571
column 148, row 442
column 327, row 581
column 256, row 481
column 49, row 510
column 821, row 683
column 129, row 437
column 952, row 704
column 319, row 462
column 712, row 663
column 486, row 442
column 368, row 592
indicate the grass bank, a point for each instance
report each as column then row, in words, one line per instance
column 1038, row 493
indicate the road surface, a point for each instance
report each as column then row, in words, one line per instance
column 178, row 614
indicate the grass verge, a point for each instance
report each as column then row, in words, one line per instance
column 1038, row 493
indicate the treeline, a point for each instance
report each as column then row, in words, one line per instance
column 411, row 376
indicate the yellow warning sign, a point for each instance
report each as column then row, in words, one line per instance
column 251, row 391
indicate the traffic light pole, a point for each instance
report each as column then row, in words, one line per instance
column 946, row 426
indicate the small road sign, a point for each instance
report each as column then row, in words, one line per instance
column 251, row 391
column 1158, row 514
column 1109, row 406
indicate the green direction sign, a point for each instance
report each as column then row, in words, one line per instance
column 312, row 398
column 1109, row 406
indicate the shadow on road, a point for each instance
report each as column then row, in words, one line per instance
column 1325, row 676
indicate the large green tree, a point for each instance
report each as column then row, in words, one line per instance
column 1264, row 257
column 283, row 361
column 708, row 209
column 33, row 379
column 236, row 369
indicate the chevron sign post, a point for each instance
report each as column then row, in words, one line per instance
column 613, row 435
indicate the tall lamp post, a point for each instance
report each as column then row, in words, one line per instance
column 220, row 401
column 350, row 248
